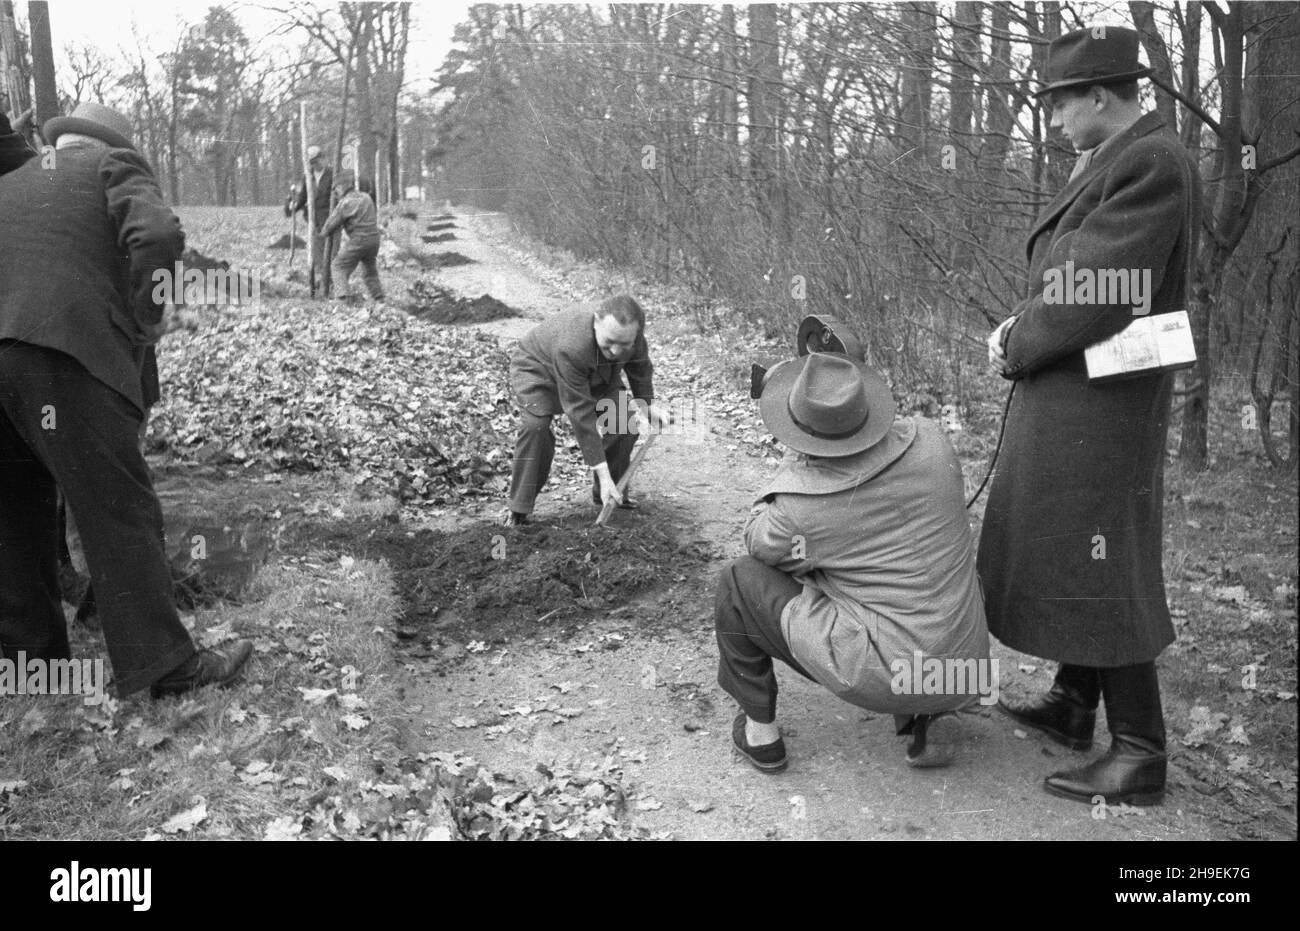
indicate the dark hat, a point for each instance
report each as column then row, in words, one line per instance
column 826, row 404
column 91, row 119
column 1096, row 55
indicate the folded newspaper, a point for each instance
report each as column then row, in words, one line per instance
column 1161, row 343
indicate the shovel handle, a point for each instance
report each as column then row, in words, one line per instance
column 608, row 507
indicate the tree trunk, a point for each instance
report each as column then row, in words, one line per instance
column 47, row 94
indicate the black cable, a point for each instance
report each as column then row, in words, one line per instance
column 1006, row 408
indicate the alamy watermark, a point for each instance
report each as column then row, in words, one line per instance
column 934, row 675
column 205, row 286
column 1101, row 286
column 23, row 676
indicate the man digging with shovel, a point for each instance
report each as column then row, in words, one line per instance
column 573, row 363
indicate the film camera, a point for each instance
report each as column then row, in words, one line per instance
column 816, row 333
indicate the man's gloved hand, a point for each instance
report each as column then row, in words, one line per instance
column 608, row 488
column 997, row 343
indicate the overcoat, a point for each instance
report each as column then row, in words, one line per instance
column 881, row 543
column 1070, row 549
column 77, row 274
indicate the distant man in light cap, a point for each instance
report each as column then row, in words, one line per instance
column 861, row 567
column 323, row 180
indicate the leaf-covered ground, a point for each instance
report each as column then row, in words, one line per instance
column 409, row 684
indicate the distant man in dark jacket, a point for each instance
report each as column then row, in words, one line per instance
column 355, row 215
column 322, row 181
column 76, row 316
column 1070, row 552
column 573, row 363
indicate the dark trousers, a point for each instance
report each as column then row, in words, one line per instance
column 62, row 428
column 345, row 263
column 318, row 245
column 1132, row 696
column 535, row 451
column 747, row 620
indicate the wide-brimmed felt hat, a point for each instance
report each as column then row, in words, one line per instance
column 1095, row 55
column 94, row 120
column 826, row 404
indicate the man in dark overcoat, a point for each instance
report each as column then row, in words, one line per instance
column 1070, row 551
column 77, row 314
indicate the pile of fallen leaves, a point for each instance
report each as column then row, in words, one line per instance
column 443, row 796
column 409, row 408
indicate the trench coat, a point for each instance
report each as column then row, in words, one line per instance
column 1071, row 544
column 882, row 546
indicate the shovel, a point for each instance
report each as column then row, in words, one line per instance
column 608, row 507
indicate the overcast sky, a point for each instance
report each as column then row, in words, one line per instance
column 109, row 26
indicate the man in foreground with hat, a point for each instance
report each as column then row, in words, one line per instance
column 573, row 363
column 1070, row 552
column 322, row 182
column 355, row 214
column 861, row 567
column 76, row 315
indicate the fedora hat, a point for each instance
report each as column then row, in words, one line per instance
column 91, row 119
column 1096, row 55
column 826, row 404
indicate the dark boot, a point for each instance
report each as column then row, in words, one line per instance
column 1133, row 771
column 1068, row 712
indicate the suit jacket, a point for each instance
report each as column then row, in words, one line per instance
column 882, row 545
column 557, row 367
column 321, row 200
column 1071, row 546
column 77, row 272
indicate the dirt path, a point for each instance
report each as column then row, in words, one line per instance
column 639, row 695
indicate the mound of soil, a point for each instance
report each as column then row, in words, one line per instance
column 440, row 237
column 449, row 259
column 193, row 258
column 283, row 242
column 444, row 216
column 437, row 304
column 439, row 227
column 492, row 583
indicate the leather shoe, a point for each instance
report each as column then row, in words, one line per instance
column 218, row 666
column 768, row 758
column 1059, row 714
column 933, row 740
column 1132, row 772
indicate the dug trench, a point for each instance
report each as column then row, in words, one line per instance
column 492, row 586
